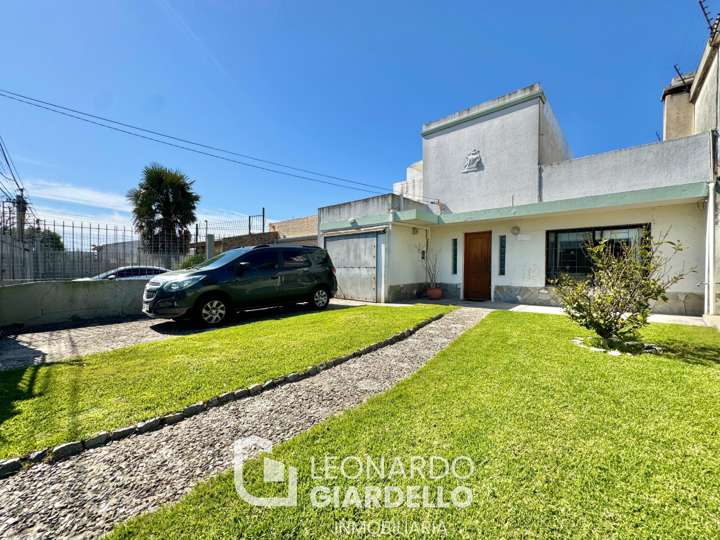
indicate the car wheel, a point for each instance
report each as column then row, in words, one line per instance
column 213, row 311
column 320, row 298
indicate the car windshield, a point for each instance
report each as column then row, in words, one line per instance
column 221, row 260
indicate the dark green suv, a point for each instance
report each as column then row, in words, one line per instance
column 242, row 278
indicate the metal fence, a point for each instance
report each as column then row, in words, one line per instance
column 51, row 250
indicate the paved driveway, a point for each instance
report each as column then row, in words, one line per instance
column 66, row 341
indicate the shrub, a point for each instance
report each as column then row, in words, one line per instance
column 615, row 301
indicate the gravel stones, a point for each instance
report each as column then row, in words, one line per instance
column 87, row 494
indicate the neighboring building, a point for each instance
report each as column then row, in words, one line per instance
column 303, row 230
column 500, row 201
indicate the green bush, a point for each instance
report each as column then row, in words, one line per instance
column 615, row 301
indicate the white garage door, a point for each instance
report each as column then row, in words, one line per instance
column 356, row 261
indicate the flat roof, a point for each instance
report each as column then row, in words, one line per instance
column 487, row 107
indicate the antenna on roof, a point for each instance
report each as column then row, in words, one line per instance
column 682, row 78
column 712, row 24
column 706, row 14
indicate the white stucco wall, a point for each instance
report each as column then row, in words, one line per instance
column 404, row 255
column 680, row 161
column 508, row 145
column 525, row 253
column 553, row 145
column 706, row 102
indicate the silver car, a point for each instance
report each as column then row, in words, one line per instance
column 125, row 273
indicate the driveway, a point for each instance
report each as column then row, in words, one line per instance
column 58, row 343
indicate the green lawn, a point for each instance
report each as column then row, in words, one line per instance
column 567, row 442
column 46, row 405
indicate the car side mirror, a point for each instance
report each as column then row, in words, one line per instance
column 112, row 276
column 242, row 266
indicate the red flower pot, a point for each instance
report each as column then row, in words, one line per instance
column 434, row 293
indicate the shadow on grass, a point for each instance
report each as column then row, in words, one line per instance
column 187, row 327
column 16, row 385
column 689, row 353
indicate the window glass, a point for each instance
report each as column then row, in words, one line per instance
column 503, row 246
column 454, row 255
column 566, row 252
column 222, row 259
column 294, row 258
column 123, row 273
column 261, row 259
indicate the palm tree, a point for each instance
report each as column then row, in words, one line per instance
column 163, row 208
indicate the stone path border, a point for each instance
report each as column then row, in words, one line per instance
column 87, row 494
column 11, row 466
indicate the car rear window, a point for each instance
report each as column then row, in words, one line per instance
column 319, row 256
column 294, row 258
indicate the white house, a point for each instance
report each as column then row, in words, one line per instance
column 500, row 201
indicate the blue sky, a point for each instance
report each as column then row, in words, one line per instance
column 338, row 87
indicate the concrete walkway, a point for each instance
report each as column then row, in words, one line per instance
column 552, row 310
column 88, row 494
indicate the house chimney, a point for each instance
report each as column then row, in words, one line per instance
column 678, row 111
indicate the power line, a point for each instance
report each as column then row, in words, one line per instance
column 11, row 163
column 53, row 107
column 194, row 143
column 6, row 158
column 16, row 178
column 194, row 150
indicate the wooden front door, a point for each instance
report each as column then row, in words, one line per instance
column 476, row 274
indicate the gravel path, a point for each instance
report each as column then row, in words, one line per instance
column 87, row 494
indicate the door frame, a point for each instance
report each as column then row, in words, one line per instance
column 466, row 235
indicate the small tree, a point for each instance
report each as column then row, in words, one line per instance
column 164, row 206
column 615, row 301
column 46, row 238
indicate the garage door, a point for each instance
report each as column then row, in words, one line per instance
column 355, row 260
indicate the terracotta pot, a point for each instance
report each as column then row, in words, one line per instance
column 434, row 293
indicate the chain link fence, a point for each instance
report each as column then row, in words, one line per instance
column 51, row 250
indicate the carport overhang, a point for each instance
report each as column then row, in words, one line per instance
column 693, row 191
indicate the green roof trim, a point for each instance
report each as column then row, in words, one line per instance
column 642, row 196
column 695, row 190
column 359, row 222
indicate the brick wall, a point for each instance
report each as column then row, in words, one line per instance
column 298, row 227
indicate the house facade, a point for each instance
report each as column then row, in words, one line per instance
column 501, row 205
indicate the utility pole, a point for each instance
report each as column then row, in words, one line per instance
column 20, row 209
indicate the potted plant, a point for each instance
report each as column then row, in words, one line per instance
column 431, row 270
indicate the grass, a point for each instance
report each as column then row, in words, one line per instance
column 46, row 405
column 566, row 442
